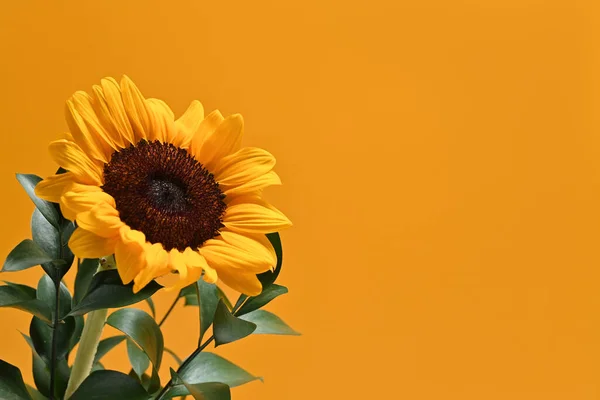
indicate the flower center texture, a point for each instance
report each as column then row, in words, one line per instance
column 164, row 192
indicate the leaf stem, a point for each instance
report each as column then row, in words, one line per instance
column 54, row 337
column 162, row 321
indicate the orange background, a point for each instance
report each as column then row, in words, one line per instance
column 440, row 159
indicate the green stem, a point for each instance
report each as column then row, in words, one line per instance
column 54, row 339
column 162, row 321
column 88, row 346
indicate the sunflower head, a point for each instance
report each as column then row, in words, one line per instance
column 164, row 195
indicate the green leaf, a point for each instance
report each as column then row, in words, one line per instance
column 209, row 299
column 46, row 293
column 205, row 391
column 85, row 272
column 209, row 367
column 225, row 299
column 151, row 306
column 107, row 345
column 15, row 297
column 54, row 242
column 41, row 373
column 11, row 383
column 209, row 391
column 268, row 294
column 228, row 328
column 97, row 367
column 138, row 359
column 142, row 328
column 174, row 355
column 41, row 336
column 107, row 291
column 79, row 324
column 35, row 395
column 190, row 300
column 27, row 254
column 109, row 385
column 268, row 323
column 268, row 278
column 48, row 210
column 28, row 290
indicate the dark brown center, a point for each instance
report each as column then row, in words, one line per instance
column 164, row 192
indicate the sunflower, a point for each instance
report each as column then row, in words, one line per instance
column 163, row 195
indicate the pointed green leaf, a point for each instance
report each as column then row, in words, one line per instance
column 268, row 294
column 204, row 391
column 41, row 336
column 268, row 323
column 11, row 383
column 27, row 254
column 45, row 235
column 268, row 278
column 41, row 373
column 46, row 293
column 209, row 391
column 107, row 345
column 48, row 210
column 142, row 328
column 35, row 394
column 209, row 367
column 228, row 328
column 107, row 291
column 15, row 297
column 138, row 359
column 28, row 290
column 209, row 299
column 225, row 299
column 151, row 306
column 85, row 272
column 109, row 385
column 79, row 324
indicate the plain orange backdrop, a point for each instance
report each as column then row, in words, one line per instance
column 440, row 160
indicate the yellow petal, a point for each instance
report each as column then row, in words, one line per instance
column 187, row 125
column 269, row 179
column 257, row 245
column 72, row 158
column 195, row 261
column 136, row 110
column 111, row 113
column 225, row 140
column 103, row 220
column 82, row 198
column 242, row 282
column 243, row 166
column 253, row 215
column 177, row 263
column 85, row 244
column 156, row 265
column 86, row 129
column 53, row 187
column 220, row 254
column 162, row 118
column 130, row 253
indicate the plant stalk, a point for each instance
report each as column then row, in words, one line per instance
column 54, row 339
column 88, row 346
